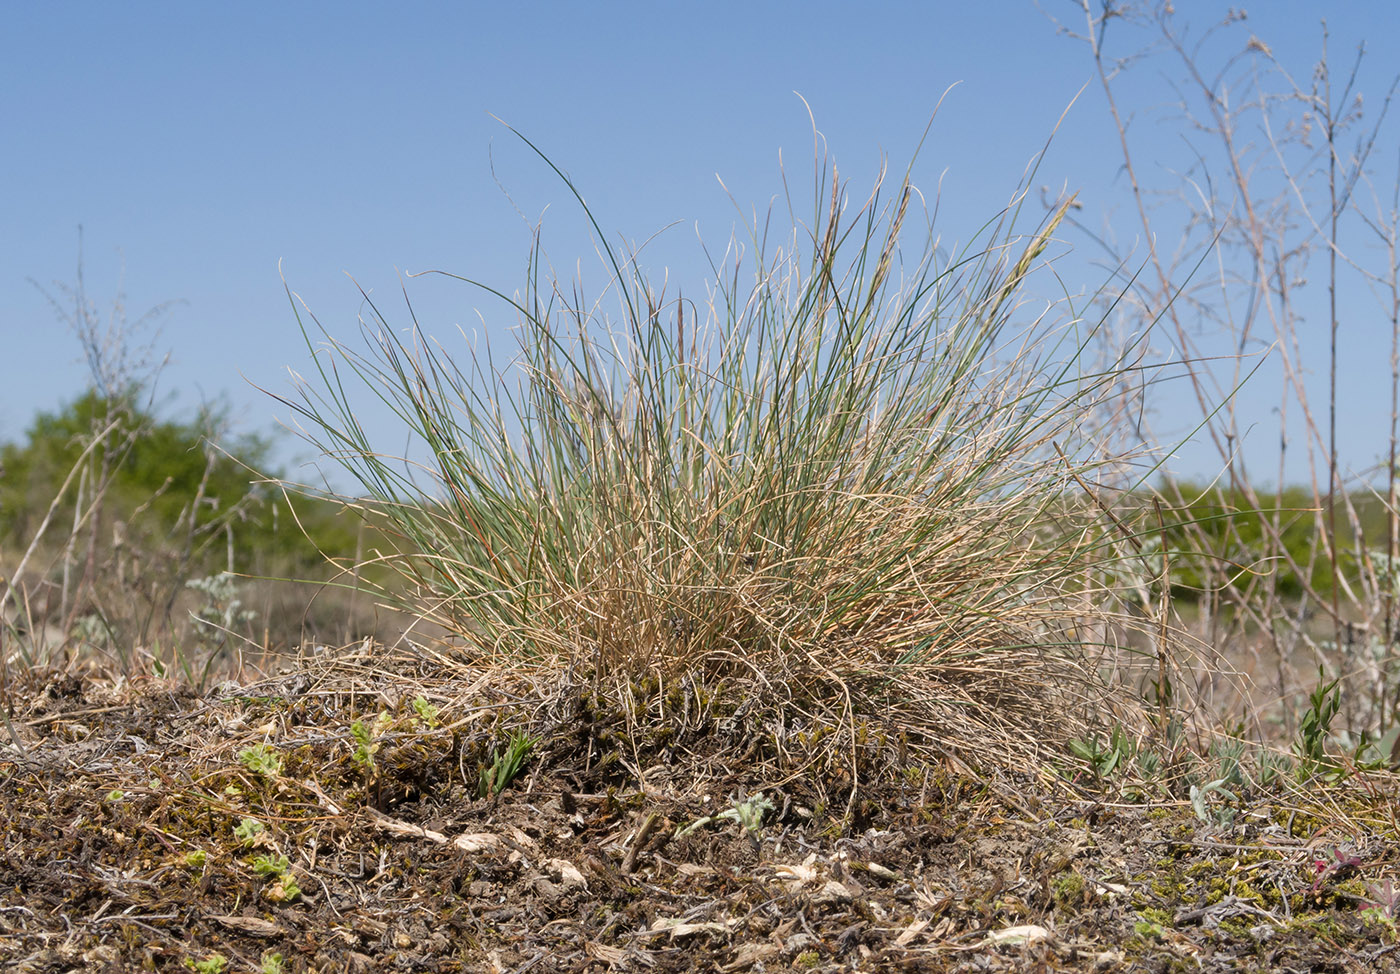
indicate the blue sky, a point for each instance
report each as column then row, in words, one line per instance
column 199, row 145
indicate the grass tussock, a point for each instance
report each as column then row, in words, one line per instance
column 840, row 494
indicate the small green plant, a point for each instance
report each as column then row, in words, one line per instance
column 426, row 712
column 1228, row 752
column 748, row 812
column 284, row 890
column 1323, row 705
column 248, row 830
column 261, row 759
column 1273, row 766
column 196, row 859
column 1224, row 815
column 274, row 865
column 115, row 795
column 505, row 764
column 1103, row 758
column 366, row 739
column 271, row 963
column 213, row 964
column 1382, row 907
column 278, row 869
column 1149, row 930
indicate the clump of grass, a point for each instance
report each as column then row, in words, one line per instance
column 848, row 482
column 505, row 765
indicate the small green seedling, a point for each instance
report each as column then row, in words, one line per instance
column 365, row 747
column 748, row 813
column 1149, row 930
column 505, row 765
column 1199, row 794
column 261, row 759
column 1313, row 729
column 1273, row 767
column 276, row 868
column 366, row 739
column 248, row 830
column 1102, row 757
column 266, row 866
column 115, row 795
column 213, row 964
column 271, row 963
column 283, row 890
column 426, row 712
column 196, row 859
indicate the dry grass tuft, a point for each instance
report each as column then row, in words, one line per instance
column 838, row 504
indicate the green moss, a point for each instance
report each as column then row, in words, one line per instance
column 1322, row 925
column 1069, row 890
column 1163, row 918
column 1238, row 927
column 1170, row 888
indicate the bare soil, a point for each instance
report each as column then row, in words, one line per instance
column 127, row 845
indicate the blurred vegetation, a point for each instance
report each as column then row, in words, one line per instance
column 169, row 477
column 134, row 535
column 1229, row 536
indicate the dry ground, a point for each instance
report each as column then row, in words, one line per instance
column 127, row 844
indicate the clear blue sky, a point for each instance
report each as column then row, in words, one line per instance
column 200, row 144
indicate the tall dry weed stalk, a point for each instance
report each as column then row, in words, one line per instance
column 1277, row 187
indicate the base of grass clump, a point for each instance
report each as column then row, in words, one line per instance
column 839, row 736
column 146, row 828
